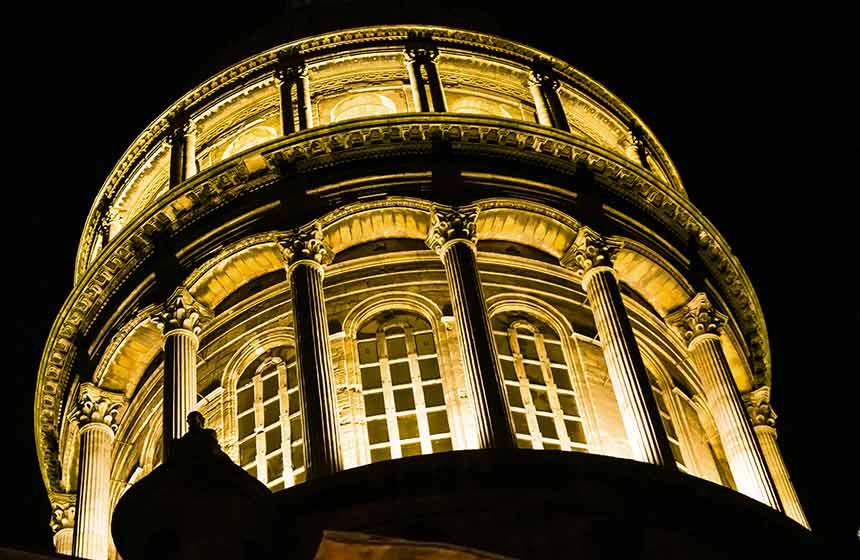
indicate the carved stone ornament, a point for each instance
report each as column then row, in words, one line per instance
column 62, row 512
column 590, row 250
column 543, row 78
column 452, row 224
column 291, row 73
column 96, row 405
column 759, row 409
column 305, row 244
column 182, row 311
column 697, row 318
column 421, row 53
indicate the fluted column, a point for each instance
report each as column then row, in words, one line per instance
column 544, row 89
column 63, row 522
column 763, row 420
column 453, row 236
column 178, row 141
column 95, row 414
column 592, row 256
column 700, row 324
column 180, row 323
column 306, row 255
column 427, row 92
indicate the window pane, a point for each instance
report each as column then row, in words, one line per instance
column 400, row 373
column 433, row 395
column 275, row 466
column 574, row 431
column 521, row 426
column 534, row 373
column 377, row 431
column 528, row 348
column 438, row 420
column 410, row 449
column 442, row 445
column 404, row 400
column 554, row 353
column 293, row 403
column 299, row 477
column 374, row 404
column 396, row 347
column 408, row 426
column 297, row 456
column 246, row 425
column 508, row 371
column 278, row 486
column 540, row 400
column 551, row 445
column 367, row 352
column 503, row 345
column 247, row 451
column 547, row 427
column 670, row 428
column 515, row 398
column 245, row 399
column 270, row 387
column 524, row 443
column 296, row 429
column 273, row 439
column 568, row 404
column 370, row 378
column 561, row 378
column 676, row 452
column 380, row 454
column 429, row 369
column 424, row 344
column 292, row 377
column 271, row 413
column 253, row 471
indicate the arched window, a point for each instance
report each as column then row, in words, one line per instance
column 269, row 420
column 543, row 403
column 662, row 395
column 363, row 105
column 403, row 398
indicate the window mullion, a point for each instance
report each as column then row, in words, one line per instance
column 519, row 367
column 388, row 396
column 284, row 419
column 418, row 394
column 552, row 393
column 260, row 434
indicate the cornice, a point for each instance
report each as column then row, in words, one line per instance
column 350, row 142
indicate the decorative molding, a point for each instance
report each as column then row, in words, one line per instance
column 697, row 318
column 449, row 225
column 95, row 405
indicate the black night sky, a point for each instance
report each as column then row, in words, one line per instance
column 757, row 109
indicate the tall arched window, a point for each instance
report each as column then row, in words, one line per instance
column 269, row 420
column 403, row 398
column 543, row 403
column 661, row 395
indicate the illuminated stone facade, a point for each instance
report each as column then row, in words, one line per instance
column 393, row 242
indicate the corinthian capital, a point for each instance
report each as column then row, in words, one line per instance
column 590, row 250
column 452, row 224
column 306, row 244
column 697, row 318
column 182, row 311
column 95, row 405
column 543, row 76
column 759, row 409
column 62, row 512
column 421, row 53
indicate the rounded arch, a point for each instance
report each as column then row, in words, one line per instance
column 368, row 308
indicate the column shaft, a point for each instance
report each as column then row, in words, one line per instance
column 741, row 446
column 316, row 377
column 180, row 383
column 93, row 511
column 639, row 412
column 303, row 95
column 419, row 90
column 63, row 540
column 190, row 152
column 435, row 86
column 177, row 157
column 772, row 456
column 483, row 378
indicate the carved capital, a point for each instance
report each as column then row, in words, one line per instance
column 759, row 409
column 179, row 127
column 421, row 53
column 182, row 311
column 448, row 225
column 697, row 318
column 590, row 250
column 95, row 405
column 62, row 512
column 543, row 77
column 305, row 244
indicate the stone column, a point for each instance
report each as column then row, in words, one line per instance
column 63, row 522
column 544, row 88
column 303, row 96
column 700, row 324
column 453, row 236
column 592, row 256
column 177, row 140
column 95, row 414
column 306, row 254
column 294, row 74
column 284, row 79
column 418, row 57
column 180, row 321
column 763, row 419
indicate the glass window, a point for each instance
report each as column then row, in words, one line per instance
column 269, row 420
column 541, row 397
column 404, row 402
column 660, row 395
